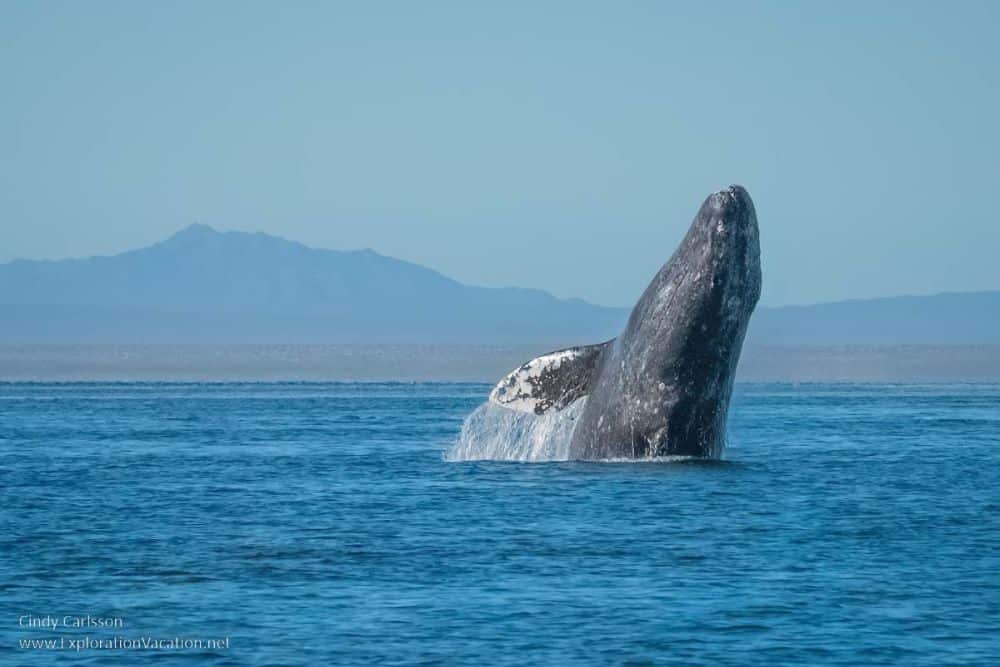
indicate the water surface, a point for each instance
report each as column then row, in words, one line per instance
column 320, row 524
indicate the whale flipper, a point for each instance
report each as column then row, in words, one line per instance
column 551, row 381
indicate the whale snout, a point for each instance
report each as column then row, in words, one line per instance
column 725, row 240
column 725, row 226
column 731, row 209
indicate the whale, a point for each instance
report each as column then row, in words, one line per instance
column 661, row 388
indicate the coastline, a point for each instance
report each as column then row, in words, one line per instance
column 462, row 363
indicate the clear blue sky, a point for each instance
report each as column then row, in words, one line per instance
column 556, row 145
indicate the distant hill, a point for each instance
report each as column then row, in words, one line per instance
column 971, row 318
column 205, row 286
column 201, row 285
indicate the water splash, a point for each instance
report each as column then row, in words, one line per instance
column 495, row 433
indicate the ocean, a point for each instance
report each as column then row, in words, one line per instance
column 322, row 523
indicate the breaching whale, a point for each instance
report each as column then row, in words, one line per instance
column 662, row 387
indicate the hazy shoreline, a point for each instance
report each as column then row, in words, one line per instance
column 465, row 363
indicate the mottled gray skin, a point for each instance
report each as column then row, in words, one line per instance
column 663, row 386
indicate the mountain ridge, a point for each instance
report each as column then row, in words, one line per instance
column 205, row 285
column 202, row 284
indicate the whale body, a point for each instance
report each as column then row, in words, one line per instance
column 662, row 387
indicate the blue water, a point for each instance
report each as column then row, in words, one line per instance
column 315, row 524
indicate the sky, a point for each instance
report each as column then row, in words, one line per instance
column 558, row 145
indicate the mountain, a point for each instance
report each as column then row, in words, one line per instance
column 201, row 285
column 969, row 318
column 205, row 286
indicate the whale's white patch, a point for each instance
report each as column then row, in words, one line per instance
column 549, row 382
column 518, row 389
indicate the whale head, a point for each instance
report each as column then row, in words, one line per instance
column 714, row 275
